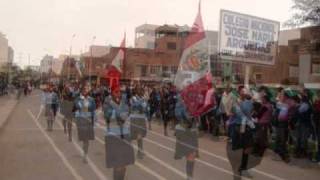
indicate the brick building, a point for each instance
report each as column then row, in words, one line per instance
column 298, row 60
column 156, row 64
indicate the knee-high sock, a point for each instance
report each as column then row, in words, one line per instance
column 70, row 129
column 189, row 168
column 140, row 145
column 48, row 124
column 244, row 161
column 119, row 173
column 85, row 147
column 65, row 124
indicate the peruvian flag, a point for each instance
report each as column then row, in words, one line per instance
column 116, row 68
column 193, row 78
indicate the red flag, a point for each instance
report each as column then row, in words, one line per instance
column 193, row 78
column 116, row 68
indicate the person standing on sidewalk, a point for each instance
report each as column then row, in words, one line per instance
column 240, row 146
column 282, row 129
column 316, row 119
column 226, row 104
column 154, row 104
column 85, row 116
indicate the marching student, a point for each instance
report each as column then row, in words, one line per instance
column 108, row 108
column 187, row 137
column 137, row 119
column 50, row 102
column 119, row 151
column 85, row 107
column 67, row 111
column 242, row 135
column 154, row 103
column 55, row 102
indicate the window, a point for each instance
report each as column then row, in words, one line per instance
column 165, row 71
column 174, row 69
column 172, row 45
column 317, row 46
column 316, row 69
column 143, row 70
column 150, row 45
column 155, row 70
column 165, row 68
column 293, row 71
column 258, row 77
column 295, row 49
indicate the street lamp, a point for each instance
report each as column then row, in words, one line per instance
column 91, row 58
column 70, row 54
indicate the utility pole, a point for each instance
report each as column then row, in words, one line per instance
column 70, row 54
column 91, row 58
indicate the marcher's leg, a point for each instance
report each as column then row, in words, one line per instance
column 85, row 150
column 64, row 122
column 119, row 173
column 121, row 130
column 108, row 123
column 69, row 124
column 151, row 112
column 48, row 123
column 165, row 125
column 190, row 165
column 140, row 147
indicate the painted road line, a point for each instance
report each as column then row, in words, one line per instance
column 271, row 176
column 56, row 149
column 96, row 170
column 168, row 166
column 137, row 163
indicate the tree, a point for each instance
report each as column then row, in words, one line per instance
column 306, row 12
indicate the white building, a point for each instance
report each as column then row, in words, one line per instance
column 46, row 64
column 4, row 49
column 145, row 36
column 96, row 51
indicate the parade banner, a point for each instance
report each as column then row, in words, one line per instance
column 194, row 79
column 116, row 68
column 247, row 38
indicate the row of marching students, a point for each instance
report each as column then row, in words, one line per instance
column 131, row 114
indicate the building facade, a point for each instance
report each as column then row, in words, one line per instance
column 4, row 49
column 298, row 60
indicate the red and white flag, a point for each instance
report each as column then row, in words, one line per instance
column 116, row 68
column 193, row 78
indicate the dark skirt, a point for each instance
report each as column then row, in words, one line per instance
column 66, row 109
column 48, row 110
column 119, row 151
column 241, row 141
column 85, row 129
column 138, row 126
column 187, row 142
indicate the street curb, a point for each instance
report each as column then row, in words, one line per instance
column 3, row 123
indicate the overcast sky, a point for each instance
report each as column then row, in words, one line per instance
column 40, row 27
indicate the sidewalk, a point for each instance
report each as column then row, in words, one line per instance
column 7, row 104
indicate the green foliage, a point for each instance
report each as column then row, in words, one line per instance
column 305, row 12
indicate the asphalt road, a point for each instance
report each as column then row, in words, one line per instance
column 28, row 151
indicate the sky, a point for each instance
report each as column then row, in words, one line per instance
column 40, row 27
